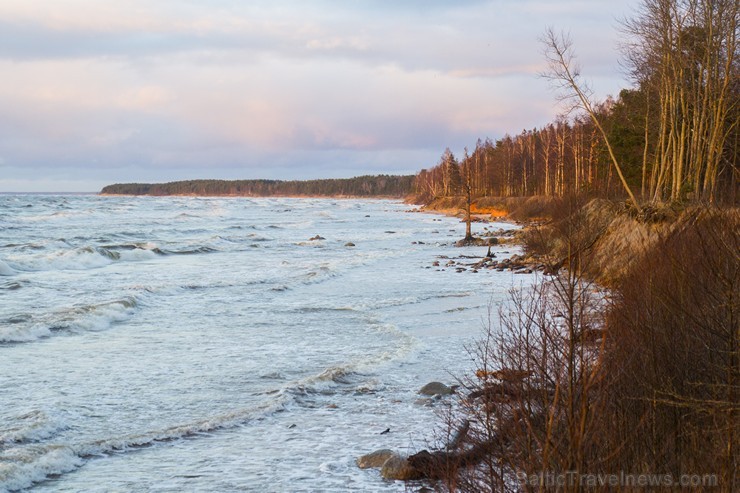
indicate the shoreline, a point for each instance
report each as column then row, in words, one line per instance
column 348, row 397
column 526, row 262
column 238, row 196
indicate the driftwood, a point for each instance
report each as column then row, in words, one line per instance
column 504, row 374
column 497, row 392
column 459, row 436
column 436, row 465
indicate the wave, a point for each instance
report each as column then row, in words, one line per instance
column 27, row 466
column 189, row 250
column 408, row 300
column 351, row 376
column 30, row 427
column 65, row 257
column 11, row 286
column 85, row 318
column 6, row 270
column 21, row 467
column 256, row 237
column 213, row 244
column 53, row 216
column 322, row 309
column 31, row 461
column 81, row 258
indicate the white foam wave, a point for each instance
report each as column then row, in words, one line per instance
column 16, row 333
column 20, row 468
column 138, row 254
column 101, row 316
column 53, row 216
column 344, row 374
column 75, row 259
column 30, row 427
column 407, row 300
column 23, row 466
column 82, row 258
column 85, row 318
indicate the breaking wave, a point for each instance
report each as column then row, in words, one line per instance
column 84, row 318
column 23, row 466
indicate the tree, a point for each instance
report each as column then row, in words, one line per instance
column 683, row 55
column 565, row 74
column 468, row 190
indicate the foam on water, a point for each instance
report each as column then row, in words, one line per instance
column 73, row 259
column 28, row 427
column 75, row 319
column 212, row 337
column 20, row 469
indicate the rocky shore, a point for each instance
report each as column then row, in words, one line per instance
column 422, row 465
column 605, row 237
column 396, row 466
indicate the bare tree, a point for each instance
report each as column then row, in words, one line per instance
column 565, row 75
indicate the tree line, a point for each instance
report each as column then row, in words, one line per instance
column 672, row 137
column 361, row 186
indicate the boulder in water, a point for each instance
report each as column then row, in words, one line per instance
column 398, row 468
column 349, row 244
column 436, row 388
column 374, row 459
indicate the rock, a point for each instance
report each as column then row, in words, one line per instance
column 424, row 402
column 374, row 459
column 436, row 388
column 476, row 242
column 398, row 468
column 317, row 237
column 349, row 244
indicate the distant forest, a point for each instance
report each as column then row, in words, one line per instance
column 361, row 186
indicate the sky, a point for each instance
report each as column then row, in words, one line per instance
column 95, row 92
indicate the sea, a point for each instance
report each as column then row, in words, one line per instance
column 228, row 344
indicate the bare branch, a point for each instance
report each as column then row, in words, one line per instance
column 564, row 73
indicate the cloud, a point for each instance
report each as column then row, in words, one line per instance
column 140, row 90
